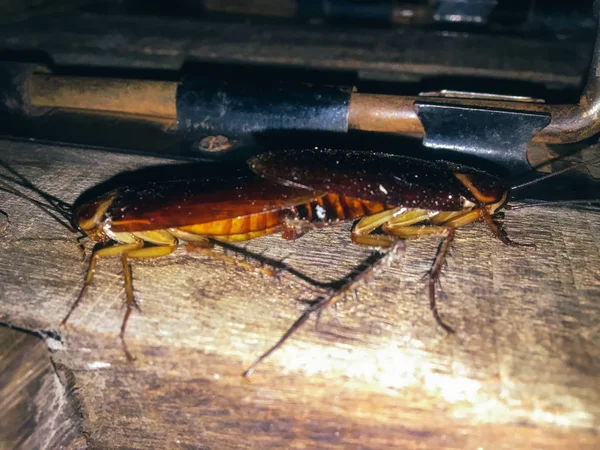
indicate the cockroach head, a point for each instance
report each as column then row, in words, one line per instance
column 91, row 217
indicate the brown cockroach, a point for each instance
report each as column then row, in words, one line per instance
column 292, row 192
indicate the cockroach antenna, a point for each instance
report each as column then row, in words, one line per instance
column 57, row 214
column 59, row 210
column 592, row 203
column 555, row 174
column 60, row 206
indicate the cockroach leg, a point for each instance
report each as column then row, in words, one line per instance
column 498, row 232
column 128, row 354
column 126, row 251
column 326, row 302
column 362, row 231
column 374, row 240
column 433, row 277
column 295, row 327
column 137, row 253
column 98, row 252
column 129, row 304
column 334, row 311
column 399, row 229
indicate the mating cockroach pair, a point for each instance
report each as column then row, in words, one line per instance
column 292, row 192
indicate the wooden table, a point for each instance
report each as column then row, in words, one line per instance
column 522, row 372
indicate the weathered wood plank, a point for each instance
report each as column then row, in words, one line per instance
column 523, row 371
column 36, row 408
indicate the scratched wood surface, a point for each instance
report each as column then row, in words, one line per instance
column 37, row 410
column 522, row 372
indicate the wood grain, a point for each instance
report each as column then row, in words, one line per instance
column 36, row 410
column 522, row 372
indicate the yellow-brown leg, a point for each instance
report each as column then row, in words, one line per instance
column 115, row 250
column 446, row 223
column 126, row 251
column 139, row 253
column 362, row 231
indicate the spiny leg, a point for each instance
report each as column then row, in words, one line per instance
column 447, row 233
column 133, row 250
column 499, row 233
column 129, row 304
column 80, row 246
column 402, row 228
column 323, row 304
column 434, row 275
column 139, row 253
column 448, row 222
column 98, row 252
column 365, row 265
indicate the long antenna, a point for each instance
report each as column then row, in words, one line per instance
column 49, row 209
column 57, row 204
column 554, row 174
column 582, row 202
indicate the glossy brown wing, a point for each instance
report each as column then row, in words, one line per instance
column 181, row 202
column 383, row 178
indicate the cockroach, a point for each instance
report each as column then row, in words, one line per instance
column 292, row 192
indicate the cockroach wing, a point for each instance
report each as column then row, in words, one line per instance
column 189, row 201
column 378, row 177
